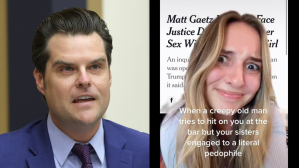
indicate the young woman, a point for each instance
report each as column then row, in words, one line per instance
column 229, row 68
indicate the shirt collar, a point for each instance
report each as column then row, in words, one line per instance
column 63, row 144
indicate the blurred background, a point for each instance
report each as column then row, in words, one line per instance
column 128, row 23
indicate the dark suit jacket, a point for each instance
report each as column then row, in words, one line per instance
column 31, row 147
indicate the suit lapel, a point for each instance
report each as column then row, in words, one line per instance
column 41, row 147
column 116, row 156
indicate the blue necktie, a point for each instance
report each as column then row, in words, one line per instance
column 82, row 152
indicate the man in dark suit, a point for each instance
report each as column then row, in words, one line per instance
column 71, row 52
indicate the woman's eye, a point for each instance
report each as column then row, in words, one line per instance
column 222, row 59
column 252, row 67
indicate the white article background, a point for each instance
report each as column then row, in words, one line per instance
column 201, row 8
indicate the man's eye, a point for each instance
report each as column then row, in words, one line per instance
column 67, row 69
column 222, row 59
column 95, row 67
column 253, row 67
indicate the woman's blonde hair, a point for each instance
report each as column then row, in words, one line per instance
column 203, row 58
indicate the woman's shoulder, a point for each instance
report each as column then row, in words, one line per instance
column 277, row 155
column 278, row 122
column 168, row 133
column 172, row 117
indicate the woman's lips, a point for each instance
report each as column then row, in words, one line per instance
column 230, row 95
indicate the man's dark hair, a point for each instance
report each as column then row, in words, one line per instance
column 73, row 21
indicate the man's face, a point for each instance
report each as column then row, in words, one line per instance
column 77, row 79
column 236, row 78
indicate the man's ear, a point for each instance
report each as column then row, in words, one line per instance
column 39, row 80
column 110, row 77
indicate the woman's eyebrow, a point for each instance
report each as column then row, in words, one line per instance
column 228, row 52
column 252, row 58
column 255, row 59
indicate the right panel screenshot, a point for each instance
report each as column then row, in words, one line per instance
column 223, row 84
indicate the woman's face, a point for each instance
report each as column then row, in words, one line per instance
column 236, row 77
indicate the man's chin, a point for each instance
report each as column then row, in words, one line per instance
column 88, row 118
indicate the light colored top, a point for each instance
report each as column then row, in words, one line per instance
column 277, row 153
column 63, row 144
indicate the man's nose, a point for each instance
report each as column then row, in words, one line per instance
column 83, row 80
column 235, row 76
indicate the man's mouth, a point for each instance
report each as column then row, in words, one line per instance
column 83, row 99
